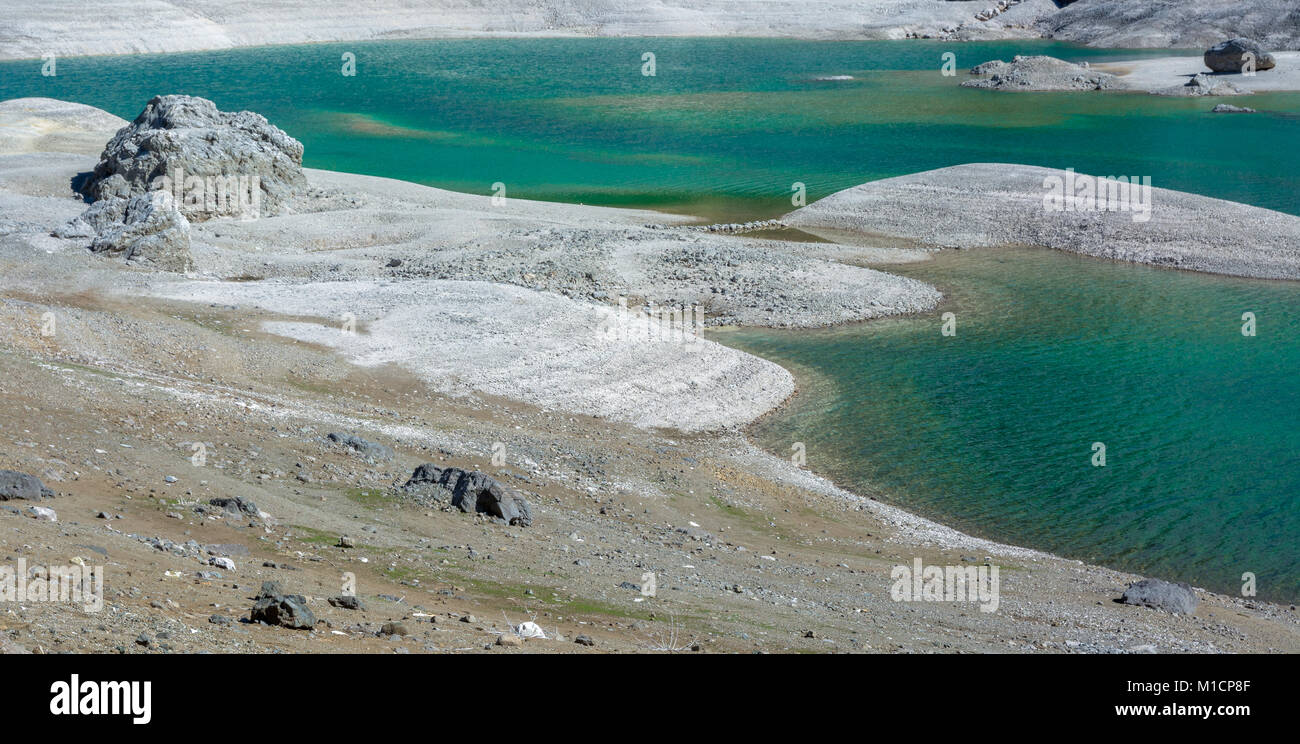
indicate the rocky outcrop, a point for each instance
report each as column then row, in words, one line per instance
column 146, row 228
column 1039, row 73
column 1163, row 595
column 215, row 163
column 182, row 160
column 471, row 492
column 1237, row 55
column 16, row 485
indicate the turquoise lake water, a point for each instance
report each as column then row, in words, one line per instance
column 990, row 430
column 722, row 129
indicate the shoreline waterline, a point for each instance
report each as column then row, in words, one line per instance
column 1058, row 487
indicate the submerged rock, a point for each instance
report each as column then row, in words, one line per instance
column 1234, row 55
column 16, row 485
column 1228, row 108
column 1164, row 595
column 471, row 491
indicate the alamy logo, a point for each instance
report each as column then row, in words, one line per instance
column 1081, row 193
column 214, row 196
column 91, row 698
column 919, row 583
column 76, row 584
column 676, row 325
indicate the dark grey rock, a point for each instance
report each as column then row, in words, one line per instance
column 347, row 602
column 372, row 451
column 270, row 589
column 584, row 640
column 274, row 607
column 472, row 491
column 1232, row 55
column 237, row 505
column 1164, row 595
column 16, row 485
column 394, row 629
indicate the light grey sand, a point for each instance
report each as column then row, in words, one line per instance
column 1183, row 24
column 534, row 347
column 50, row 125
column 537, row 284
column 989, row 204
column 1168, row 72
column 64, row 27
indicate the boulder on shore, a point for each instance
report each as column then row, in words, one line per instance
column 181, row 161
column 472, row 492
column 1163, row 595
column 206, row 154
column 1235, row 55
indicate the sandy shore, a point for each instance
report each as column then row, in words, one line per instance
column 751, row 552
column 1169, row 72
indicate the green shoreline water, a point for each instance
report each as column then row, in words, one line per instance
column 991, row 430
column 989, row 433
